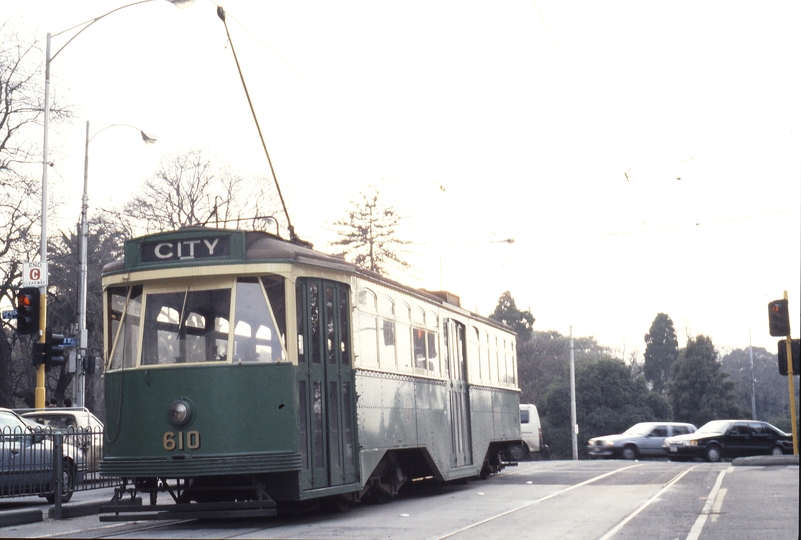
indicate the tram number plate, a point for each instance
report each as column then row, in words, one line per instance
column 180, row 440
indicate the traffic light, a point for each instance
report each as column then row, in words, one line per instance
column 89, row 365
column 779, row 318
column 28, row 311
column 795, row 351
column 51, row 352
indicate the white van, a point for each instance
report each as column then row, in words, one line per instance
column 530, row 433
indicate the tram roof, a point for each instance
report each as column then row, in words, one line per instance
column 210, row 246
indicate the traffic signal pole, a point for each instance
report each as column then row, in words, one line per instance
column 39, row 392
column 791, row 383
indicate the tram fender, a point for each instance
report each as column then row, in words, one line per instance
column 369, row 461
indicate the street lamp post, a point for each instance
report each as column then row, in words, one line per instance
column 39, row 393
column 83, row 341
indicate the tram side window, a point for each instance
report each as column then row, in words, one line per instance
column 387, row 352
column 510, row 363
column 500, row 359
column 186, row 327
column 404, row 343
column 125, row 316
column 256, row 338
column 368, row 340
column 419, row 344
column 433, row 361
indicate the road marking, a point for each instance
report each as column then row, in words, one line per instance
column 695, row 532
column 718, row 504
column 647, row 503
column 531, row 503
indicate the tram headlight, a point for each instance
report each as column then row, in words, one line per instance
column 180, row 412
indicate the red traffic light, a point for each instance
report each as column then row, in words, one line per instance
column 28, row 311
column 779, row 318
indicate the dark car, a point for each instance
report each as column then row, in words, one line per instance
column 729, row 439
column 640, row 440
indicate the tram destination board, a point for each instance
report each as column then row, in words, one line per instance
column 186, row 249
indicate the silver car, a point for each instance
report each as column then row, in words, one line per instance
column 26, row 460
column 640, row 440
column 83, row 429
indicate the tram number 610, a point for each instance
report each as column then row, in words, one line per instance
column 191, row 440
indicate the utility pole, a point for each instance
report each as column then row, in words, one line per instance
column 753, row 385
column 573, row 424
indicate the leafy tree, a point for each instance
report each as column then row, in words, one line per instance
column 545, row 356
column 522, row 322
column 369, row 234
column 771, row 394
column 661, row 351
column 698, row 390
column 608, row 400
column 192, row 189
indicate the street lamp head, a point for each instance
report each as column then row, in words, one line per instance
column 148, row 138
column 181, row 4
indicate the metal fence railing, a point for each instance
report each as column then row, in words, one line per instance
column 51, row 463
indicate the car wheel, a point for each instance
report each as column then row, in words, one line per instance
column 629, row 453
column 67, row 484
column 777, row 451
column 712, row 453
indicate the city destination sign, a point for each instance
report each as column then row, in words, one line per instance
column 186, row 249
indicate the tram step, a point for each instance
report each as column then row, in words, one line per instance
column 221, row 510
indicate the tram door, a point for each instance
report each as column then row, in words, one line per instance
column 326, row 394
column 459, row 400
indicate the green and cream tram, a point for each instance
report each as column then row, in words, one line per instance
column 244, row 370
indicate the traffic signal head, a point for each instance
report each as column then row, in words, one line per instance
column 795, row 351
column 28, row 311
column 779, row 318
column 51, row 352
column 56, row 352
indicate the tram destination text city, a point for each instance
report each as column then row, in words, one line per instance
column 186, row 249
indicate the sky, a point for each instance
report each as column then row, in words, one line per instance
column 644, row 157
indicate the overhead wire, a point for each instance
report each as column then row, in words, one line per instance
column 584, row 99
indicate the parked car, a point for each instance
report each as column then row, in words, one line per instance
column 729, row 439
column 83, row 429
column 645, row 439
column 26, row 460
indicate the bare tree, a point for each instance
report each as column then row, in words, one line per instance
column 193, row 189
column 21, row 111
column 368, row 234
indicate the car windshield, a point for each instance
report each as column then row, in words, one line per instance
column 10, row 424
column 58, row 421
column 715, row 426
column 639, row 429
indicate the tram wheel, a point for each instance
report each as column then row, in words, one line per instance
column 517, row 452
column 339, row 503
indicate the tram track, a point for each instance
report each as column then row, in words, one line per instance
column 587, row 500
column 536, row 501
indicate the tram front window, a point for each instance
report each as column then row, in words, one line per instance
column 124, row 312
column 186, row 327
column 241, row 321
column 256, row 338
